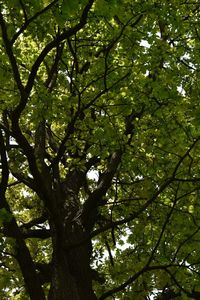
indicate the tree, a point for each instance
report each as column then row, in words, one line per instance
column 99, row 150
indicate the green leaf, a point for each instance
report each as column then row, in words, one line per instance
column 69, row 7
column 5, row 216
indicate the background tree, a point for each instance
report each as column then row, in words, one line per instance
column 99, row 150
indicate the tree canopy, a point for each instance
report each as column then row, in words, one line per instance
column 99, row 149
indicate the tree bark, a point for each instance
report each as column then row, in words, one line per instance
column 24, row 259
column 71, row 272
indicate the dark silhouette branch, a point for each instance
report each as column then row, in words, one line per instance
column 29, row 233
column 24, row 12
column 143, row 270
column 95, row 199
column 37, row 233
column 33, row 18
column 53, row 71
column 5, row 170
column 13, row 62
column 40, row 220
column 66, row 34
column 135, row 214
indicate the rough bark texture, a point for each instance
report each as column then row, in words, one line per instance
column 71, row 271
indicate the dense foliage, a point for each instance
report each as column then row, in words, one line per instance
column 99, row 149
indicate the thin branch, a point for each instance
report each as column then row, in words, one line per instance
column 185, row 241
column 122, row 286
column 24, row 11
column 184, row 156
column 177, row 283
column 110, row 46
column 28, row 21
column 163, row 229
column 25, row 92
column 5, row 170
column 90, row 103
column 66, row 34
column 135, row 214
column 109, row 253
column 71, row 124
column 145, row 269
column 69, row 131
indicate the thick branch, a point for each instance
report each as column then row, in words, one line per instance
column 39, row 182
column 44, row 272
column 26, row 180
column 95, row 198
column 34, row 222
column 37, row 233
column 52, row 74
column 28, row 233
column 24, row 259
column 16, row 113
column 11, row 228
column 69, row 131
column 8, row 47
column 27, row 266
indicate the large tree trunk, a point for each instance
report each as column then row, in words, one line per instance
column 71, row 271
